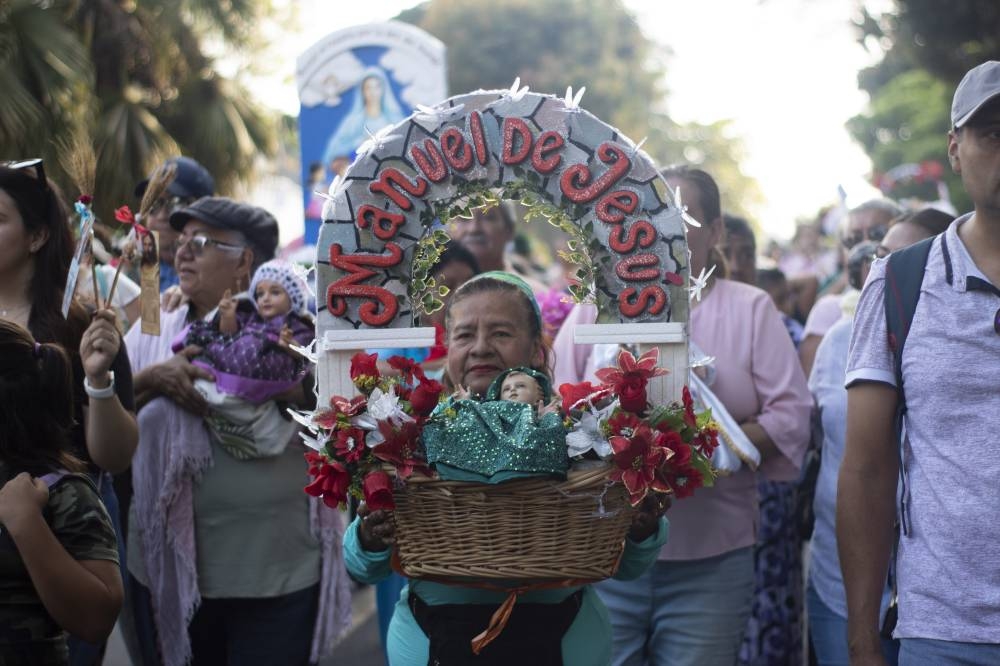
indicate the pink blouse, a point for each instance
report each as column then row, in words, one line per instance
column 758, row 377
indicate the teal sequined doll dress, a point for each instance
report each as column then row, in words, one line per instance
column 494, row 440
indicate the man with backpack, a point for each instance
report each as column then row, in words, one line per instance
column 923, row 417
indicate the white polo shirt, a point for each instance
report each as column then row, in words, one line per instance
column 949, row 564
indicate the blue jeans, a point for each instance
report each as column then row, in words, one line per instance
column 929, row 652
column 828, row 631
column 682, row 613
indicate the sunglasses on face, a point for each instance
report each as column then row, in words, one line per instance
column 198, row 243
column 875, row 233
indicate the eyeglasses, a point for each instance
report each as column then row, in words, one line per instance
column 169, row 204
column 39, row 171
column 199, row 243
column 875, row 233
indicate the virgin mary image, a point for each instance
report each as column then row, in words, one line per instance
column 374, row 107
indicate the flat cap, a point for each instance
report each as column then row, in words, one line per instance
column 258, row 225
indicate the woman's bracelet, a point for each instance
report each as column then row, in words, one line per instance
column 100, row 393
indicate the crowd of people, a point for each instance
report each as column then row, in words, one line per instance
column 156, row 480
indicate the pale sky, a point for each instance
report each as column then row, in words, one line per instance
column 784, row 71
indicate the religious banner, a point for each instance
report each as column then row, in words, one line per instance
column 561, row 162
column 352, row 84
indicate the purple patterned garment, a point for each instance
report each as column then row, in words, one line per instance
column 250, row 364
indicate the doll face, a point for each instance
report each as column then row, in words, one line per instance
column 272, row 299
column 519, row 387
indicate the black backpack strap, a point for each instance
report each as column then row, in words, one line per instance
column 904, row 274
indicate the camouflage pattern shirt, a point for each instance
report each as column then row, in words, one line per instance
column 77, row 517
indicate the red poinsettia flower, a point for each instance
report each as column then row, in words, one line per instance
column 623, row 423
column 578, row 396
column 630, row 378
column 350, row 444
column 680, row 450
column 364, row 365
column 401, row 448
column 707, row 441
column 407, row 368
column 636, row 461
column 683, row 480
column 425, row 397
column 351, row 407
column 689, row 417
column 377, row 487
column 331, row 482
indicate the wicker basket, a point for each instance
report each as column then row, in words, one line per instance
column 528, row 529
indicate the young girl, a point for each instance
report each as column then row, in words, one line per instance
column 58, row 552
column 517, row 427
column 494, row 325
column 247, row 345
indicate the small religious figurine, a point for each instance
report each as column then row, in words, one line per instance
column 515, row 431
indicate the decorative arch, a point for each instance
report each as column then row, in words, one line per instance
column 559, row 159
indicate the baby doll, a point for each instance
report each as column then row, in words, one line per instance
column 247, row 346
column 515, row 431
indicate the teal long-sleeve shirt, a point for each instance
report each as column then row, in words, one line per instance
column 586, row 643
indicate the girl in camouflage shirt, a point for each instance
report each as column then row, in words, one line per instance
column 58, row 553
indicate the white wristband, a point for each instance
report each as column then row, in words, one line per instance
column 100, row 393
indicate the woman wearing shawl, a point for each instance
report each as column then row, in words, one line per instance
column 233, row 560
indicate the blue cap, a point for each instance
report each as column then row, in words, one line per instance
column 192, row 181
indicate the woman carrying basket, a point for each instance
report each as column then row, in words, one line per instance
column 494, row 325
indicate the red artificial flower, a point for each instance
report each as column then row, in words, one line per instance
column 349, row 408
column 350, row 444
column 623, row 423
column 364, row 365
column 401, row 448
column 637, row 459
column 707, row 441
column 331, row 482
column 578, row 396
column 629, row 379
column 683, row 481
column 425, row 397
column 326, row 418
column 125, row 215
column 85, row 199
column 689, row 418
column 377, row 487
column 407, row 368
column 680, row 450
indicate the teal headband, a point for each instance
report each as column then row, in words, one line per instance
column 493, row 392
column 511, row 279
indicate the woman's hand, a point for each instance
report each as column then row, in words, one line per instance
column 21, row 497
column 99, row 346
column 462, row 393
column 175, row 379
column 647, row 518
column 377, row 530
